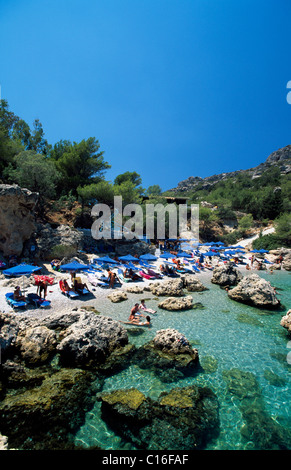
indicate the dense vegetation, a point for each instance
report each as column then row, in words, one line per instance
column 67, row 172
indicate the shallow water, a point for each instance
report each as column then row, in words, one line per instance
column 227, row 335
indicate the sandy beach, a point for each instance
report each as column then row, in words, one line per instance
column 97, row 298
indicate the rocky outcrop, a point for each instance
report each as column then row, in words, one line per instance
column 226, row 275
column 286, row 321
column 182, row 419
column 256, row 291
column 81, row 339
column 177, row 303
column 48, row 411
column 192, row 284
column 172, row 287
column 59, row 242
column 17, row 222
column 117, row 296
column 280, row 158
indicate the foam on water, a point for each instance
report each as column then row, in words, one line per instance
column 231, row 335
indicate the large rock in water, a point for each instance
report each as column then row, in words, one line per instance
column 169, row 355
column 286, row 321
column 254, row 290
column 182, row 419
column 177, row 303
column 172, row 287
column 226, row 275
column 17, row 222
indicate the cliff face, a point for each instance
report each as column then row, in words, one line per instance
column 16, row 218
column 280, row 158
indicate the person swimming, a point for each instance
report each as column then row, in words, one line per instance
column 145, row 308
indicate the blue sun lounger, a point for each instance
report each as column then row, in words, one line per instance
column 15, row 303
column 37, row 301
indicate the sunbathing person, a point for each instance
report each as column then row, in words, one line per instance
column 137, row 322
column 144, row 308
column 78, row 286
column 55, row 264
column 17, row 295
column 66, row 286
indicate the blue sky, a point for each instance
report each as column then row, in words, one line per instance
column 170, row 88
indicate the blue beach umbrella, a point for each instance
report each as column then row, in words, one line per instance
column 167, row 255
column 74, row 266
column 184, row 254
column 21, row 270
column 127, row 258
column 106, row 259
column 211, row 253
column 148, row 257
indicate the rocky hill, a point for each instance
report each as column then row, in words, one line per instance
column 280, row 158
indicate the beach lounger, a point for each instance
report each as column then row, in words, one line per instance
column 14, row 303
column 71, row 294
column 37, row 301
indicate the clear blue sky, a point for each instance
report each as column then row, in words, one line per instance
column 170, row 88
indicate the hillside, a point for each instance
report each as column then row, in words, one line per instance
column 241, row 203
column 280, row 158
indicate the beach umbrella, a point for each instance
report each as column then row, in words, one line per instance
column 186, row 246
column 74, row 266
column 127, row 258
column 184, row 254
column 263, row 251
column 106, row 259
column 167, row 255
column 211, row 253
column 148, row 257
column 21, row 270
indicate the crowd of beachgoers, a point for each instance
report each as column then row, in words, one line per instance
column 59, row 285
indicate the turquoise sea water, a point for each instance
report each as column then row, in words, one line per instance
column 227, row 335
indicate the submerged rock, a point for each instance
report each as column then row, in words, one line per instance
column 254, row 290
column 259, row 430
column 49, row 411
column 184, row 419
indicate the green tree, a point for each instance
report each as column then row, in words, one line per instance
column 154, row 190
column 80, row 164
column 283, row 226
column 33, row 171
column 246, row 222
column 36, row 141
column 129, row 192
column 102, row 192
